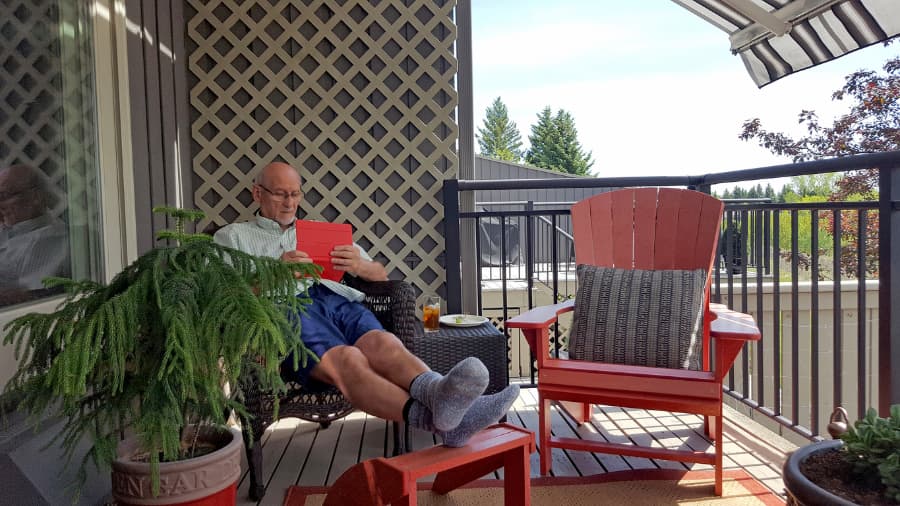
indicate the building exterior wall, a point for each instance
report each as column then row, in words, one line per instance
column 185, row 99
column 545, row 199
column 489, row 168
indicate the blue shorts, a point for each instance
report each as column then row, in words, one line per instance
column 330, row 320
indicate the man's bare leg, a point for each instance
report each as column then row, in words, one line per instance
column 368, row 376
column 389, row 358
column 348, row 369
column 448, row 397
column 378, row 373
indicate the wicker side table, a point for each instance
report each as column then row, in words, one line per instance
column 443, row 348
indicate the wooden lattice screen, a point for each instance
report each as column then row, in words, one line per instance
column 46, row 108
column 47, row 114
column 358, row 95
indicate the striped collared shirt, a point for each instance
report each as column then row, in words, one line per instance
column 265, row 238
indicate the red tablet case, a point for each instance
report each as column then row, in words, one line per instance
column 318, row 239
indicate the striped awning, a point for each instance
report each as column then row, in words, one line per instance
column 778, row 37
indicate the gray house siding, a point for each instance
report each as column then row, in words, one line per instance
column 513, row 228
column 159, row 112
column 489, row 168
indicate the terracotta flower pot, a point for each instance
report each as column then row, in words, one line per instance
column 203, row 481
column 800, row 489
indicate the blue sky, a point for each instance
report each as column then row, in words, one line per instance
column 654, row 89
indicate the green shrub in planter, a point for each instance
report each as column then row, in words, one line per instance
column 150, row 352
column 872, row 447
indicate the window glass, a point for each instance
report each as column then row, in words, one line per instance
column 49, row 208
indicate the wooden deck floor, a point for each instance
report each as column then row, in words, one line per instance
column 297, row 452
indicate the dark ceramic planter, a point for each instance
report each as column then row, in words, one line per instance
column 800, row 489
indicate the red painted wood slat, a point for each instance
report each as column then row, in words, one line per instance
column 667, row 217
column 622, row 228
column 583, row 232
column 689, row 242
column 644, row 229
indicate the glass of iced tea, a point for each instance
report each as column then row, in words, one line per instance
column 431, row 313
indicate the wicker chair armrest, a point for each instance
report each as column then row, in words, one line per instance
column 394, row 304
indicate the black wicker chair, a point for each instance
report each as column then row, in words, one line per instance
column 393, row 303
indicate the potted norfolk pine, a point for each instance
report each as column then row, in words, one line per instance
column 148, row 355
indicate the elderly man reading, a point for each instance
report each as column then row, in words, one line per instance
column 369, row 365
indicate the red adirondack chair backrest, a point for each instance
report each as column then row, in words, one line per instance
column 650, row 229
column 647, row 228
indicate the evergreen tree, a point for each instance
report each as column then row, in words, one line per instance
column 542, row 140
column 783, row 194
column 574, row 159
column 499, row 137
column 555, row 146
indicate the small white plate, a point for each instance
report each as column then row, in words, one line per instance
column 463, row 320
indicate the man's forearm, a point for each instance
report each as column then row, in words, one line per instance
column 370, row 270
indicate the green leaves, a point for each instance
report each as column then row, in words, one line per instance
column 872, row 447
column 153, row 349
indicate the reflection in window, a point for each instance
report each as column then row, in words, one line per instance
column 49, row 210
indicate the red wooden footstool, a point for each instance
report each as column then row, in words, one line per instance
column 381, row 481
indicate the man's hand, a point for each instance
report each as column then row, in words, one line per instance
column 346, row 258
column 296, row 257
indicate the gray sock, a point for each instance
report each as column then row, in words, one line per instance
column 486, row 410
column 420, row 417
column 449, row 397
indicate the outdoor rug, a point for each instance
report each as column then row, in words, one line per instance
column 648, row 486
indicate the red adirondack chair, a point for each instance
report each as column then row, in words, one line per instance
column 648, row 229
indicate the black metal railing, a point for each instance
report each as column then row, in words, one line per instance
column 809, row 273
column 546, row 235
column 785, row 284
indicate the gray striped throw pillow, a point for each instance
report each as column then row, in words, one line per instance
column 638, row 317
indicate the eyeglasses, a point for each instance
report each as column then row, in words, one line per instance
column 281, row 195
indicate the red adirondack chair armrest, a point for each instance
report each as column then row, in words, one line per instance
column 540, row 317
column 731, row 330
column 729, row 324
column 535, row 325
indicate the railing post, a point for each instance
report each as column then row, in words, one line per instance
column 452, row 246
column 888, row 285
column 529, row 252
